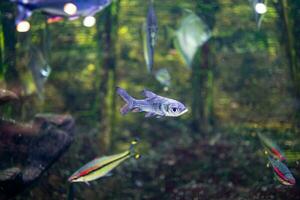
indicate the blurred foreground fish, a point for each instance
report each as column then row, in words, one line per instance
column 163, row 76
column 272, row 147
column 150, row 36
column 54, row 9
column 154, row 105
column 101, row 167
column 192, row 34
column 282, row 172
column 40, row 69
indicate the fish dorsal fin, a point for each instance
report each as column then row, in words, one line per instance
column 148, row 93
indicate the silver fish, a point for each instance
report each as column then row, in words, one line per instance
column 163, row 76
column 150, row 30
column 40, row 69
column 154, row 105
column 55, row 8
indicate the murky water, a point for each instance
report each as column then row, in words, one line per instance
column 211, row 110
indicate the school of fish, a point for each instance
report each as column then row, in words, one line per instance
column 192, row 29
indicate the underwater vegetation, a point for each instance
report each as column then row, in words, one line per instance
column 150, row 29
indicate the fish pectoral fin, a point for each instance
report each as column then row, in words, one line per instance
column 150, row 114
column 87, row 183
column 148, row 94
column 159, row 116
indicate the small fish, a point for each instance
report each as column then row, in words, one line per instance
column 191, row 35
column 272, row 147
column 40, row 69
column 101, row 167
column 154, row 105
column 150, row 30
column 55, row 8
column 282, row 172
column 163, row 76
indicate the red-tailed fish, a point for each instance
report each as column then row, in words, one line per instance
column 282, row 172
column 272, row 147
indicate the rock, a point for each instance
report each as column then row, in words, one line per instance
column 6, row 96
column 41, row 142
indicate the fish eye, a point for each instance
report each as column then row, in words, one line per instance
column 174, row 109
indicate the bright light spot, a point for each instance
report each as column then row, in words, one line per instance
column 260, row 8
column 89, row 21
column 23, row 26
column 70, row 8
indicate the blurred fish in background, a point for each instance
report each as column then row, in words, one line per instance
column 259, row 8
column 191, row 34
column 271, row 147
column 40, row 70
column 150, row 29
column 164, row 78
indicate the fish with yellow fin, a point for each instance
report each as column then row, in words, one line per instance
column 101, row 167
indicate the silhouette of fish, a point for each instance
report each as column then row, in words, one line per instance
column 40, row 70
column 150, row 37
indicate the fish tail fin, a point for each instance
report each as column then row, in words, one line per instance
column 128, row 99
column 132, row 149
